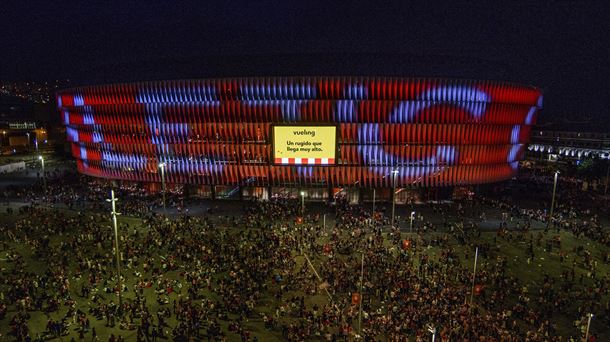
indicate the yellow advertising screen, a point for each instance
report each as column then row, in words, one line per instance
column 304, row 145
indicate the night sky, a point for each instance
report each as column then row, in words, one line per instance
column 560, row 46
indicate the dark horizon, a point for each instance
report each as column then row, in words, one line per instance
column 290, row 64
column 554, row 45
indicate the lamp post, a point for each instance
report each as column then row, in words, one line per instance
column 588, row 326
column 116, row 246
column 411, row 222
column 394, row 173
column 432, row 330
column 607, row 177
column 44, row 178
column 373, row 204
column 474, row 274
column 361, row 296
column 548, row 223
column 302, row 219
column 162, row 167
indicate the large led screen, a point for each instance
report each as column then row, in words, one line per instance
column 304, row 145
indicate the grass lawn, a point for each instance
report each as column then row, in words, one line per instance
column 514, row 251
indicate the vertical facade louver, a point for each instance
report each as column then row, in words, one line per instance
column 434, row 132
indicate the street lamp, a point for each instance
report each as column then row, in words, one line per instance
column 588, row 326
column 116, row 246
column 474, row 275
column 360, row 303
column 374, row 203
column 411, row 222
column 548, row 223
column 44, row 178
column 607, row 177
column 394, row 173
column 302, row 218
column 162, row 167
column 432, row 330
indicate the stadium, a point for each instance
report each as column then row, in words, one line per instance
column 323, row 135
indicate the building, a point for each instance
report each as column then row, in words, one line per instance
column 569, row 145
column 217, row 134
column 21, row 126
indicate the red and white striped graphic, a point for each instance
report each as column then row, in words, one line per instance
column 305, row 161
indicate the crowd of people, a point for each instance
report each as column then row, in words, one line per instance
column 271, row 272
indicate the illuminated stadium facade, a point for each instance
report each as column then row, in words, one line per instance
column 218, row 133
